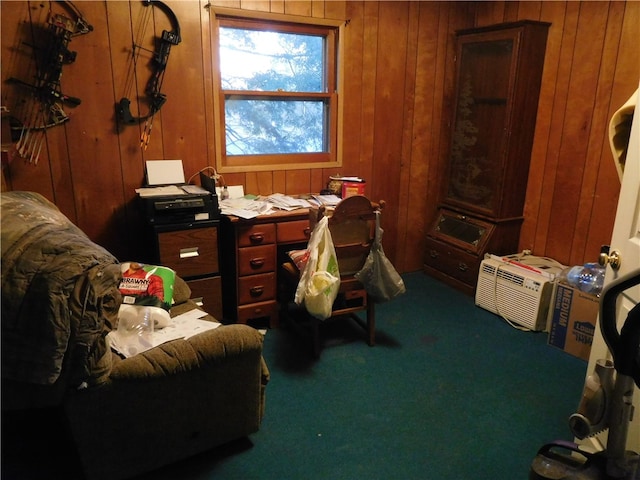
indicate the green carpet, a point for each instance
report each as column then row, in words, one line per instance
column 449, row 392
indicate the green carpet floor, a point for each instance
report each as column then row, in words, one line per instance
column 449, row 392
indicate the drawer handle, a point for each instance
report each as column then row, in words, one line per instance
column 307, row 232
column 256, row 262
column 189, row 252
column 434, row 253
column 463, row 267
column 256, row 291
column 256, row 238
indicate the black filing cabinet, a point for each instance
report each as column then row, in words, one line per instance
column 191, row 249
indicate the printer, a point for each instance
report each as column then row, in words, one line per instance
column 168, row 200
column 185, row 208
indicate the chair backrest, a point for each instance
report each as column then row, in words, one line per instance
column 352, row 225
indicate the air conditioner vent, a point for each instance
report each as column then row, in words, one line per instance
column 510, row 277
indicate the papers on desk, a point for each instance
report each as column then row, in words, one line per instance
column 327, row 200
column 286, row 202
column 244, row 207
column 248, row 208
column 182, row 326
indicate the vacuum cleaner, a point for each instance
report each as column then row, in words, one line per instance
column 606, row 403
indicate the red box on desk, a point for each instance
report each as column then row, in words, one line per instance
column 350, row 189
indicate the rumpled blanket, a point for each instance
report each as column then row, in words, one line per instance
column 59, row 295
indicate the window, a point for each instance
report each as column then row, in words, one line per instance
column 276, row 92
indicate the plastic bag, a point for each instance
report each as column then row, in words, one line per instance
column 378, row 275
column 320, row 280
column 135, row 330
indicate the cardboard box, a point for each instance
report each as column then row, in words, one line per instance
column 573, row 320
column 352, row 188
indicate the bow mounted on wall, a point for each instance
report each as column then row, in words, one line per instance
column 154, row 96
column 41, row 106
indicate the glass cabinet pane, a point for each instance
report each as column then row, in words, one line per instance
column 480, row 118
column 460, row 230
column 468, row 233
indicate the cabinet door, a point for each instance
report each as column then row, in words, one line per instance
column 485, row 70
column 499, row 72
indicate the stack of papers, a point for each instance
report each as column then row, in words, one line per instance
column 160, row 191
column 286, row 202
column 244, row 207
column 251, row 207
column 183, row 326
column 170, row 190
column 327, row 200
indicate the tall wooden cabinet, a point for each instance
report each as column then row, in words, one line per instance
column 498, row 75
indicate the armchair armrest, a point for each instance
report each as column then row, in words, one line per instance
column 210, row 347
column 170, row 402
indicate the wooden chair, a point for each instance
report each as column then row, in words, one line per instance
column 352, row 226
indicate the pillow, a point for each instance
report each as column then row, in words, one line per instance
column 299, row 257
column 181, row 291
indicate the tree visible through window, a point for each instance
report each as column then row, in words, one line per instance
column 277, row 94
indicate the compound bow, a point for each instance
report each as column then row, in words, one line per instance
column 155, row 98
column 51, row 53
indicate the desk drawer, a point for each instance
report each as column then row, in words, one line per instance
column 261, row 234
column 452, row 261
column 190, row 252
column 252, row 260
column 207, row 292
column 256, row 288
column 259, row 310
column 293, row 232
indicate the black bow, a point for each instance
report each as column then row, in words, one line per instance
column 44, row 107
column 155, row 97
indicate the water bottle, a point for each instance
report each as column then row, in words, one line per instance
column 588, row 278
column 592, row 278
column 572, row 275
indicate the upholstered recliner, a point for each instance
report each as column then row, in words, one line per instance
column 125, row 416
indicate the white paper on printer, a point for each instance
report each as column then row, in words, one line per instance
column 165, row 172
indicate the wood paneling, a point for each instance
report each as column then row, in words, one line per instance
column 399, row 78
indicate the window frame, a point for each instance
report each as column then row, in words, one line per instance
column 334, row 63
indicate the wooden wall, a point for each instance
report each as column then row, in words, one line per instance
column 592, row 66
column 399, row 79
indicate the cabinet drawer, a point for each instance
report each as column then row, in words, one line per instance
column 190, row 252
column 207, row 292
column 253, row 260
column 256, row 234
column 293, row 232
column 256, row 288
column 259, row 310
column 452, row 261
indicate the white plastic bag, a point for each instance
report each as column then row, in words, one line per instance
column 320, row 280
column 378, row 275
column 135, row 330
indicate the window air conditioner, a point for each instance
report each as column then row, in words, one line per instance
column 515, row 289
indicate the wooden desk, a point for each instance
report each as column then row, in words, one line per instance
column 251, row 252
